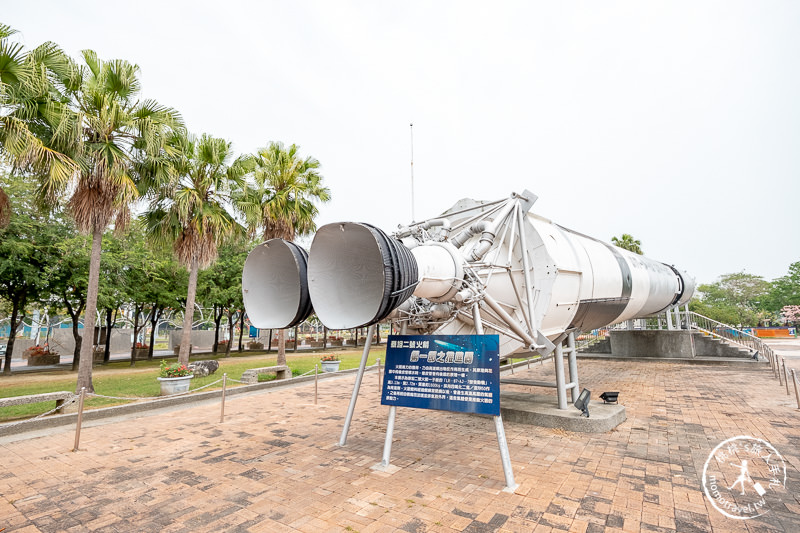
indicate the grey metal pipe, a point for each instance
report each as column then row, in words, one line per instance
column 505, row 456
column 510, row 322
column 526, row 270
column 572, row 357
column 387, row 445
column 476, row 317
column 352, row 407
column 560, row 385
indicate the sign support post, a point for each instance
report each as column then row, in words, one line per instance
column 387, row 446
column 505, row 455
column 458, row 373
column 357, row 387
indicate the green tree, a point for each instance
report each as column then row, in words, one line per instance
column 283, row 203
column 189, row 211
column 785, row 290
column 140, row 279
column 35, row 126
column 116, row 129
column 111, row 292
column 67, row 279
column 736, row 299
column 222, row 288
column 627, row 242
column 27, row 249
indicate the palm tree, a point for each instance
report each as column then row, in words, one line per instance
column 627, row 242
column 283, row 202
column 189, row 211
column 35, row 126
column 115, row 130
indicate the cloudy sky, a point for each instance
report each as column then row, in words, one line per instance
column 677, row 122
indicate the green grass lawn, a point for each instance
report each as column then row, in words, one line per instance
column 119, row 379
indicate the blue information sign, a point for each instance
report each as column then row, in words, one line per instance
column 446, row 372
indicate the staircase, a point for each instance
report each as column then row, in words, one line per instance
column 709, row 346
column 709, row 339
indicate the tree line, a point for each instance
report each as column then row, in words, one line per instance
column 94, row 152
column 147, row 281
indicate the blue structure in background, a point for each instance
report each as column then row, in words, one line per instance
column 446, row 372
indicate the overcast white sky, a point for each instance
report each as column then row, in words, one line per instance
column 677, row 122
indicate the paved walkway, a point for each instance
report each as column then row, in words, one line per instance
column 274, row 465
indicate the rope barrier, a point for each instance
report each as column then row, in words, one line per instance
column 67, row 402
column 138, row 398
column 74, row 397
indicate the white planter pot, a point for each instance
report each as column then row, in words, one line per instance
column 174, row 385
column 330, row 366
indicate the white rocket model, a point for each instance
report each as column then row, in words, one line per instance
column 481, row 267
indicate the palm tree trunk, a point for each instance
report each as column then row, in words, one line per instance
column 186, row 335
column 90, row 315
column 281, row 347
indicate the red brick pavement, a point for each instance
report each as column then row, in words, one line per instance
column 274, row 464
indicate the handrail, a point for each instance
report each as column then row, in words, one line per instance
column 730, row 334
column 697, row 322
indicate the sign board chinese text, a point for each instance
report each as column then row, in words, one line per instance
column 446, row 372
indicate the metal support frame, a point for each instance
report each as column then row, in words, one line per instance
column 357, row 387
column 670, row 327
column 573, row 365
column 677, row 311
column 561, row 388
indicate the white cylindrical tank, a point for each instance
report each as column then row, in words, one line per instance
column 578, row 282
column 526, row 278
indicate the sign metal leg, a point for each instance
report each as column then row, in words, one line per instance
column 387, row 446
column 357, row 387
column 505, row 456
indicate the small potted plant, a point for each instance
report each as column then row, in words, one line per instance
column 222, row 345
column 330, row 363
column 335, row 341
column 41, row 356
column 140, row 351
column 174, row 378
column 314, row 343
column 255, row 345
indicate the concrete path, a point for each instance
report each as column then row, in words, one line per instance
column 274, row 465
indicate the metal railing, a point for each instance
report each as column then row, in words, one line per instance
column 694, row 321
column 733, row 335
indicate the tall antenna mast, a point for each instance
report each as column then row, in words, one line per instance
column 413, row 218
